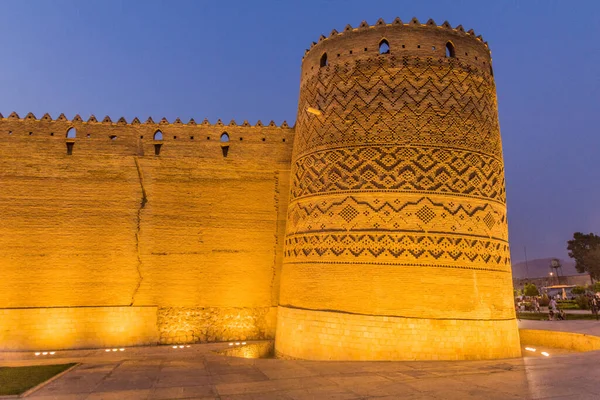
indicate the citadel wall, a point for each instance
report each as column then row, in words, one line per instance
column 191, row 232
column 374, row 229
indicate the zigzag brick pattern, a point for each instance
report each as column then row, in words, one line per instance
column 401, row 101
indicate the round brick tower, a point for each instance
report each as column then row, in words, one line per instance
column 397, row 241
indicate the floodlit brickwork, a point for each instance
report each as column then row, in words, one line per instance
column 397, row 241
column 57, row 328
column 373, row 229
column 194, row 233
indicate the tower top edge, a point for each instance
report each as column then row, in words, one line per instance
column 398, row 24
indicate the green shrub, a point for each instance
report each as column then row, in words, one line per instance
column 568, row 306
column 582, row 302
column 578, row 290
column 530, row 290
column 595, row 287
column 566, row 301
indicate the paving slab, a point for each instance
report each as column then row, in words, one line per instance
column 196, row 372
column 588, row 327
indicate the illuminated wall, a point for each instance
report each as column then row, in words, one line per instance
column 397, row 241
column 194, row 233
column 374, row 229
column 58, row 328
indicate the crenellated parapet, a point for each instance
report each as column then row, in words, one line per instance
column 30, row 117
column 62, row 136
column 399, row 39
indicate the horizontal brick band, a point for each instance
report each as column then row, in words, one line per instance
column 322, row 335
column 410, row 291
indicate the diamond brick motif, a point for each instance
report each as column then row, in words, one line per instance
column 425, row 214
column 348, row 213
column 489, row 220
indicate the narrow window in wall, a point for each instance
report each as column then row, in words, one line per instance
column 71, row 134
column 158, row 136
column 323, row 62
column 384, row 47
column 450, row 50
column 225, row 143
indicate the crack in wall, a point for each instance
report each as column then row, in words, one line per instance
column 138, row 229
column 274, row 299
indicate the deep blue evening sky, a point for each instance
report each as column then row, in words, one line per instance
column 226, row 59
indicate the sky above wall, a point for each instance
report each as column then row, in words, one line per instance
column 241, row 60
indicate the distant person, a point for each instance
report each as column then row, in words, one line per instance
column 594, row 306
column 553, row 305
column 562, row 315
column 550, row 315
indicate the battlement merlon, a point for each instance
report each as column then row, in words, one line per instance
column 30, row 117
column 259, row 145
column 404, row 39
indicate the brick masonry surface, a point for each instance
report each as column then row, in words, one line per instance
column 385, row 200
column 397, row 202
column 58, row 328
column 323, row 335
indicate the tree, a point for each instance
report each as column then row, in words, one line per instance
column 595, row 287
column 585, row 249
column 531, row 290
column 592, row 263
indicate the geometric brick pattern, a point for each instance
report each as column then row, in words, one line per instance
column 399, row 168
column 400, row 100
column 357, row 213
column 400, row 249
column 405, row 126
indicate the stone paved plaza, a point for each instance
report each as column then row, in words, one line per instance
column 196, row 372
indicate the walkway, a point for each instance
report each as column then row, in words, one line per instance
column 589, row 327
column 196, row 372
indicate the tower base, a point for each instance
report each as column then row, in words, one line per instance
column 329, row 335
